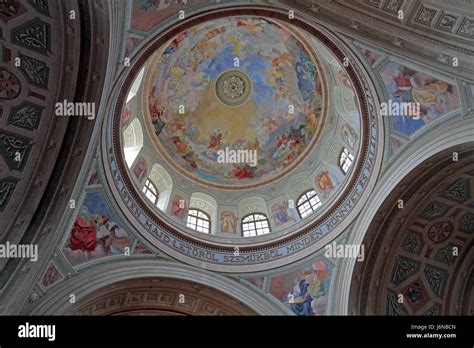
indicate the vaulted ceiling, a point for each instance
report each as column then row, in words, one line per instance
column 53, row 167
column 420, row 243
column 46, row 57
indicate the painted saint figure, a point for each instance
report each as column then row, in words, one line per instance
column 324, row 183
column 228, row 222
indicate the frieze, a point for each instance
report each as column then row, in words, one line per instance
column 204, row 254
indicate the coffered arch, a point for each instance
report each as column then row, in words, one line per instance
column 423, row 249
column 47, row 46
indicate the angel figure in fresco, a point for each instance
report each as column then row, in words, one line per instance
column 243, row 172
column 125, row 116
column 183, row 147
column 190, row 130
column 270, row 125
column 215, row 139
column 370, row 56
column 343, row 78
column 313, row 122
column 282, row 140
column 92, row 234
column 300, row 298
column 280, row 152
column 113, row 239
column 430, row 95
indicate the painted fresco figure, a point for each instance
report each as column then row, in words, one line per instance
column 228, row 222
column 178, row 206
column 324, row 183
column 280, row 213
column 307, row 291
column 140, row 170
column 157, row 115
column 83, row 235
column 302, row 299
column 429, row 95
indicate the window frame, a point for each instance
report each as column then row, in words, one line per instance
column 146, row 188
column 254, row 222
column 308, row 200
column 198, row 218
column 349, row 159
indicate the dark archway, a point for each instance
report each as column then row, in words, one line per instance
column 422, row 251
column 159, row 296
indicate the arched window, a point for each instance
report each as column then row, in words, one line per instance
column 163, row 183
column 255, row 225
column 150, row 191
column 308, row 203
column 199, row 221
column 136, row 85
column 132, row 141
column 345, row 161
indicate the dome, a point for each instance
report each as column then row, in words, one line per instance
column 235, row 102
column 242, row 131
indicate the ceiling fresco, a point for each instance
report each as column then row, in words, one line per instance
column 242, row 83
column 240, row 161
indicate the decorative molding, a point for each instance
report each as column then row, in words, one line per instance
column 26, row 115
column 35, row 70
column 35, row 36
column 15, row 150
column 56, row 301
column 41, row 5
column 10, row 86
